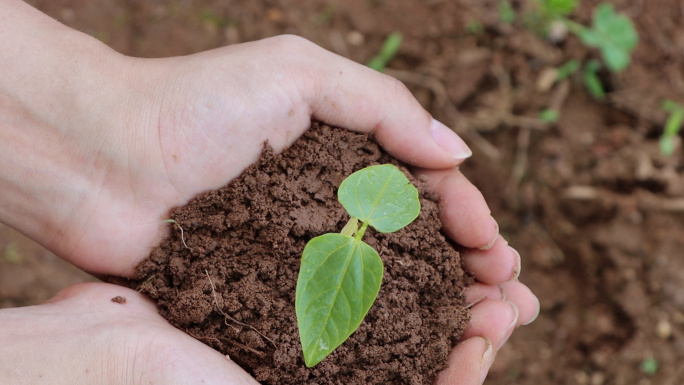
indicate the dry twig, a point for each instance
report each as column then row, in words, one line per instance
column 642, row 199
column 227, row 317
column 181, row 229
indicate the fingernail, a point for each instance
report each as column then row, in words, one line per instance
column 448, row 140
column 518, row 264
column 535, row 314
column 511, row 326
column 487, row 359
column 496, row 235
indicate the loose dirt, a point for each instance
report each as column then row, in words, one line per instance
column 235, row 290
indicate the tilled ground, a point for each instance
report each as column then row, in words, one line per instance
column 590, row 203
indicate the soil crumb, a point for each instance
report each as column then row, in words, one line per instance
column 247, row 239
column 119, row 299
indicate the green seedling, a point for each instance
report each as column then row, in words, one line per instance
column 506, row 12
column 672, row 126
column 389, row 48
column 592, row 81
column 649, row 366
column 549, row 115
column 611, row 33
column 340, row 275
column 568, row 69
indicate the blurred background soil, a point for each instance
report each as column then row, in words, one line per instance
column 595, row 210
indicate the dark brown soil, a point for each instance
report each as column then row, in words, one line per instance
column 247, row 240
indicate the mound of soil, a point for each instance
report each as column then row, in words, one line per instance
column 235, row 289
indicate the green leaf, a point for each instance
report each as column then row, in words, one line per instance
column 549, row 115
column 616, row 59
column 614, row 34
column 567, row 69
column 649, row 366
column 560, row 7
column 389, row 49
column 592, row 81
column 338, row 282
column 380, row 196
column 590, row 37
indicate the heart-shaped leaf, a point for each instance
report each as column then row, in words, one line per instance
column 338, row 282
column 380, row 196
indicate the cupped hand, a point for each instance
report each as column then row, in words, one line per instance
column 152, row 134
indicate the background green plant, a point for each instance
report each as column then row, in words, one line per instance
column 613, row 34
column 389, row 49
column 672, row 126
column 340, row 275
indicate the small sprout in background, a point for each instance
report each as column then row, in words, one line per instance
column 592, row 81
column 549, row 115
column 568, row 69
column 649, row 366
column 340, row 275
column 389, row 48
column 672, row 126
column 474, row 27
column 506, row 12
column 613, row 34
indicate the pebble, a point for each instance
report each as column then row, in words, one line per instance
column 663, row 329
column 355, row 38
column 547, row 78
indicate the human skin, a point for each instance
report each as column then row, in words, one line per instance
column 97, row 147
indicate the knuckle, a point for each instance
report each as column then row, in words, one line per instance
column 291, row 44
column 398, row 88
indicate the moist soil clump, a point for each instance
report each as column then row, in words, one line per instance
column 234, row 287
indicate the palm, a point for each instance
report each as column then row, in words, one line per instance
column 205, row 132
column 119, row 343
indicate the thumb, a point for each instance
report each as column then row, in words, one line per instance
column 353, row 96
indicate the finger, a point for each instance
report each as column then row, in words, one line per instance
column 469, row 363
column 516, row 292
column 527, row 302
column 350, row 95
column 493, row 319
column 499, row 264
column 463, row 210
